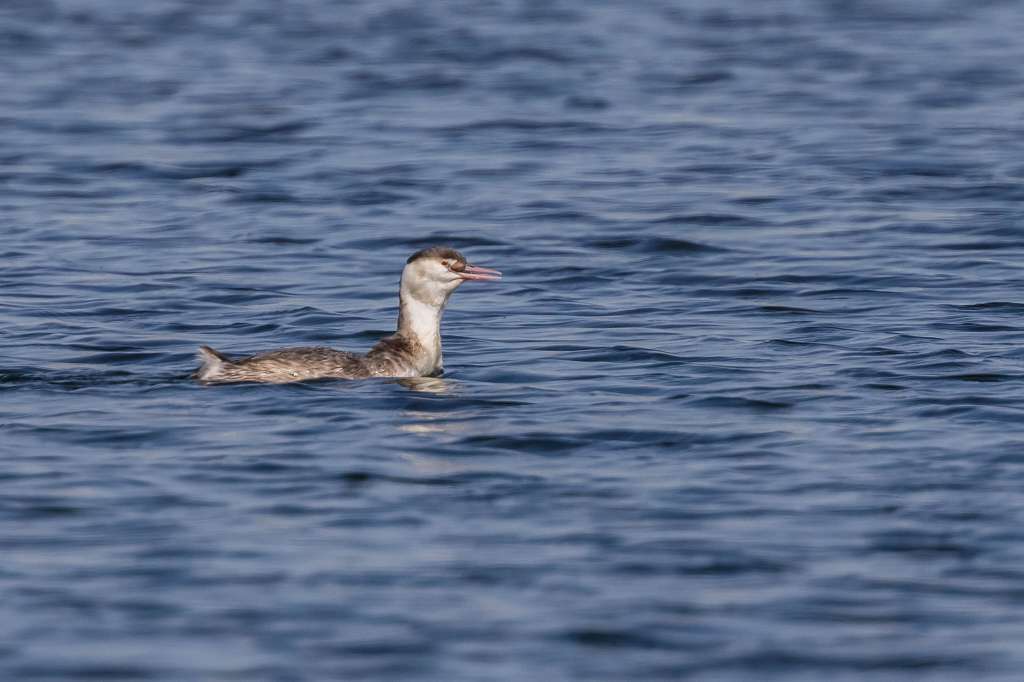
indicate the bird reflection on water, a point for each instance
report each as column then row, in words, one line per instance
column 436, row 385
column 433, row 421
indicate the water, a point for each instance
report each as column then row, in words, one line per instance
column 745, row 407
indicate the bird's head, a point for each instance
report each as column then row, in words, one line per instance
column 431, row 275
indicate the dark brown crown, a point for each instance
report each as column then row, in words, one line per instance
column 439, row 252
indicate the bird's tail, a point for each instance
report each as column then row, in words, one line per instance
column 213, row 364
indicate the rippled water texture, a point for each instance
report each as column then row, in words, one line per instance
column 746, row 407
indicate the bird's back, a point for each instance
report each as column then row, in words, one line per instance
column 283, row 366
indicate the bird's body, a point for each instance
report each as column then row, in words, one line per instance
column 394, row 356
column 414, row 350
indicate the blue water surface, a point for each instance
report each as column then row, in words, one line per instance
column 746, row 407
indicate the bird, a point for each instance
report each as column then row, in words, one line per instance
column 429, row 278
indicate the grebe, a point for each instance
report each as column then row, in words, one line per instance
column 428, row 279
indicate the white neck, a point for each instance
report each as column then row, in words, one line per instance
column 421, row 320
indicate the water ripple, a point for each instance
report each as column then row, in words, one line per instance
column 743, row 408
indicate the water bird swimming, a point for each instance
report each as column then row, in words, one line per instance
column 429, row 278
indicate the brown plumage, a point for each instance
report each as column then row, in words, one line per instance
column 439, row 252
column 414, row 350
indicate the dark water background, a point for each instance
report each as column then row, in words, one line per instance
column 747, row 406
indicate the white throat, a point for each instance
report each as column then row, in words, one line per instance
column 419, row 316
